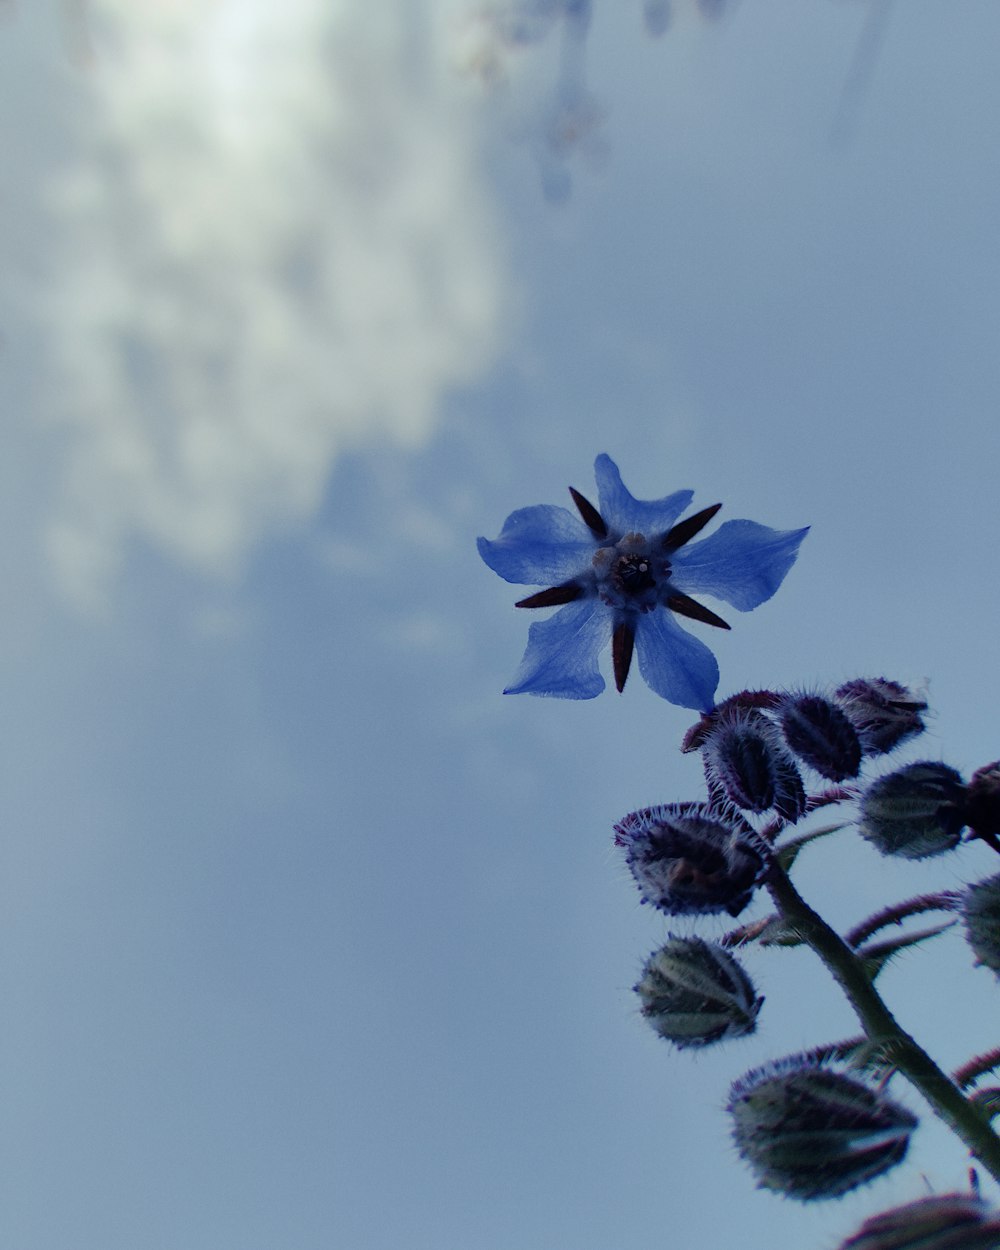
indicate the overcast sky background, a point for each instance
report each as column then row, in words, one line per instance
column 308, row 936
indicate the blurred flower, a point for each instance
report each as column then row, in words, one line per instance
column 695, row 993
column 687, row 860
column 624, row 570
column 941, row 1222
column 811, row 1132
column 915, row 812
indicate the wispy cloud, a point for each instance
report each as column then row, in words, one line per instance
column 274, row 242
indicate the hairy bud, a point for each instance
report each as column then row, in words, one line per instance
column 942, row 1222
column 820, row 734
column 981, row 909
column 982, row 803
column 916, row 811
column 747, row 762
column 883, row 713
column 695, row 993
column 687, row 860
column 810, row 1132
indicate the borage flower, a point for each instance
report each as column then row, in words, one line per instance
column 623, row 571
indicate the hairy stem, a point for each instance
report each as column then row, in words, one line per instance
column 943, row 1095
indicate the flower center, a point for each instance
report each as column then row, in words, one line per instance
column 629, row 575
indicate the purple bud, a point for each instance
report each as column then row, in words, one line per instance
column 982, row 802
column 915, row 812
column 981, row 909
column 686, row 860
column 746, row 760
column 820, row 733
column 941, row 1222
column 883, row 712
column 695, row 993
column 810, row 1132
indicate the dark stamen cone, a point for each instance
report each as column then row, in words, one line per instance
column 622, row 645
column 592, row 518
column 684, row 531
column 565, row 593
column 683, row 605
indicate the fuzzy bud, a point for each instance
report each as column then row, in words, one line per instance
column 982, row 803
column 686, row 860
column 820, row 733
column 942, row 1222
column 884, row 713
column 981, row 909
column 915, row 812
column 695, row 993
column 809, row 1132
column 747, row 762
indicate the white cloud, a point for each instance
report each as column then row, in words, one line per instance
column 274, row 242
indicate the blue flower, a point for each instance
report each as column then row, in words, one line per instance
column 623, row 571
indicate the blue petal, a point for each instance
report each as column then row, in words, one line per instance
column 675, row 664
column 742, row 562
column 624, row 514
column 562, row 652
column 540, row 546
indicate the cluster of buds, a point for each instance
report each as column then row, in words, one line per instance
column 753, row 744
column 941, row 1222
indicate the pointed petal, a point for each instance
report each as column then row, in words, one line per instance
column 625, row 514
column 685, row 530
column 566, row 593
column 622, row 644
column 675, row 664
column 742, row 562
column 591, row 517
column 562, row 653
column 684, row 605
column 540, row 546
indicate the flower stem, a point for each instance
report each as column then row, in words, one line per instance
column 944, row 1097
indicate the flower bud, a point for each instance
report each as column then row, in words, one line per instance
column 810, row 1132
column 981, row 909
column 695, row 993
column 686, row 860
column 883, row 712
column 746, row 760
column 915, row 812
column 820, row 733
column 982, row 803
column 943, row 1222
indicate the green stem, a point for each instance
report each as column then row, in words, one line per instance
column 943, row 1095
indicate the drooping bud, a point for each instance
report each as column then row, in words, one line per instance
column 915, row 812
column 820, row 733
column 981, row 910
column 942, row 1222
column 810, row 1132
column 746, row 760
column 884, row 713
column 695, row 993
column 687, row 860
column 982, row 801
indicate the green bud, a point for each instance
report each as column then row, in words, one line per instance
column 981, row 908
column 915, row 812
column 810, row 1132
column 695, row 993
column 943, row 1222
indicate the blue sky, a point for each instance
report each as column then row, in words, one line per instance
column 309, row 937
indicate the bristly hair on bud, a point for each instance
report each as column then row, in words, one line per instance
column 884, row 713
column 687, row 860
column 810, row 1132
column 695, row 993
column 821, row 735
column 981, row 912
column 748, row 765
column 982, row 804
column 940, row 1222
column 915, row 812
